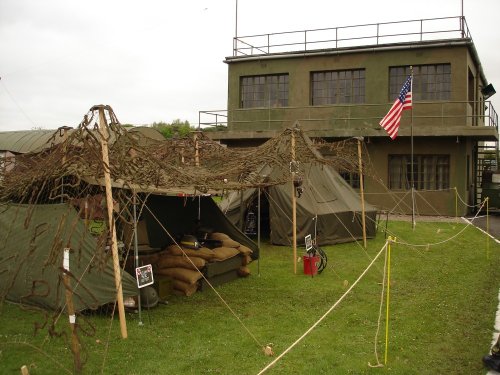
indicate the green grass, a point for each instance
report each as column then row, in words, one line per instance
column 442, row 308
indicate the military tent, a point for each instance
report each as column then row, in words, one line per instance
column 328, row 207
column 32, row 239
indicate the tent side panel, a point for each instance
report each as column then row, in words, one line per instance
column 33, row 240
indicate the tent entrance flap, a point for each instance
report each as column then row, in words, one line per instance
column 187, row 215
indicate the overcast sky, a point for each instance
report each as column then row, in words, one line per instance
column 162, row 60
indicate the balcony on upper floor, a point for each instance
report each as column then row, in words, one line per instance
column 341, row 121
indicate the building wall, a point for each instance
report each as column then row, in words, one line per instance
column 449, row 127
column 428, row 202
column 351, row 117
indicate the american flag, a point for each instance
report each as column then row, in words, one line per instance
column 392, row 119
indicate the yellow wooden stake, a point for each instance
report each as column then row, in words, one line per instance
column 456, row 204
column 487, row 228
column 294, row 207
column 389, row 240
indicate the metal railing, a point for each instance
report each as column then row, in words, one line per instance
column 216, row 119
column 346, row 116
column 351, row 36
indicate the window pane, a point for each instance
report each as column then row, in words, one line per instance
column 264, row 91
column 341, row 86
column 430, row 172
column 430, row 82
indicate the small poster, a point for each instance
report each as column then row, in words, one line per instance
column 309, row 242
column 144, row 275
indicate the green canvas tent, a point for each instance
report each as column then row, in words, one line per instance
column 33, row 238
column 32, row 243
column 328, row 207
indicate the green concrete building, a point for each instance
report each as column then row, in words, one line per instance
column 338, row 83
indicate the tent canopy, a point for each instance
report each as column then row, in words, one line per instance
column 327, row 207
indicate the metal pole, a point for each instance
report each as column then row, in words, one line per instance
column 462, row 23
column 136, row 255
column 236, row 23
column 411, row 168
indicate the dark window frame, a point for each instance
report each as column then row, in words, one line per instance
column 431, row 82
column 430, row 172
column 332, row 87
column 264, row 91
column 352, row 178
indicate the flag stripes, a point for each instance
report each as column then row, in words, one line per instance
column 404, row 101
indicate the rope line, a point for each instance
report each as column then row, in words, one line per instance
column 440, row 242
column 208, row 282
column 271, row 364
column 380, row 314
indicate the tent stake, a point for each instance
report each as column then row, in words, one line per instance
column 112, row 229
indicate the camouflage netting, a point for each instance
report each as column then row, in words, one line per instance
column 69, row 176
column 54, row 199
column 196, row 164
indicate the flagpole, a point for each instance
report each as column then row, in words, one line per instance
column 411, row 168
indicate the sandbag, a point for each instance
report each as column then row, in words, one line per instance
column 245, row 250
column 202, row 252
column 244, row 271
column 219, row 236
column 170, row 261
column 185, row 288
column 230, row 243
column 223, row 253
column 179, row 273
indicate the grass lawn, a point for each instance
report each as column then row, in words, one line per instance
column 442, row 309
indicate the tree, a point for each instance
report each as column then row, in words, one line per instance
column 176, row 128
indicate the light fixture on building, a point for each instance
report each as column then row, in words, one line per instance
column 488, row 91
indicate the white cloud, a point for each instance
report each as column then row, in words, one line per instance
column 161, row 60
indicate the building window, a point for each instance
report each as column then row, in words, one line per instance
column 430, row 172
column 351, row 178
column 264, row 91
column 430, row 82
column 338, row 87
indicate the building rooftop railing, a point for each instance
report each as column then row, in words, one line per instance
column 352, row 36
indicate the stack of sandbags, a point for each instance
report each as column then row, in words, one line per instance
column 143, row 260
column 184, row 266
column 228, row 242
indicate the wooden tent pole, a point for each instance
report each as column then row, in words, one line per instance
column 109, row 203
column 68, row 290
column 70, row 308
column 361, row 190
column 294, row 206
column 196, row 150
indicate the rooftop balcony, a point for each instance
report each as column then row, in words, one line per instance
column 374, row 34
